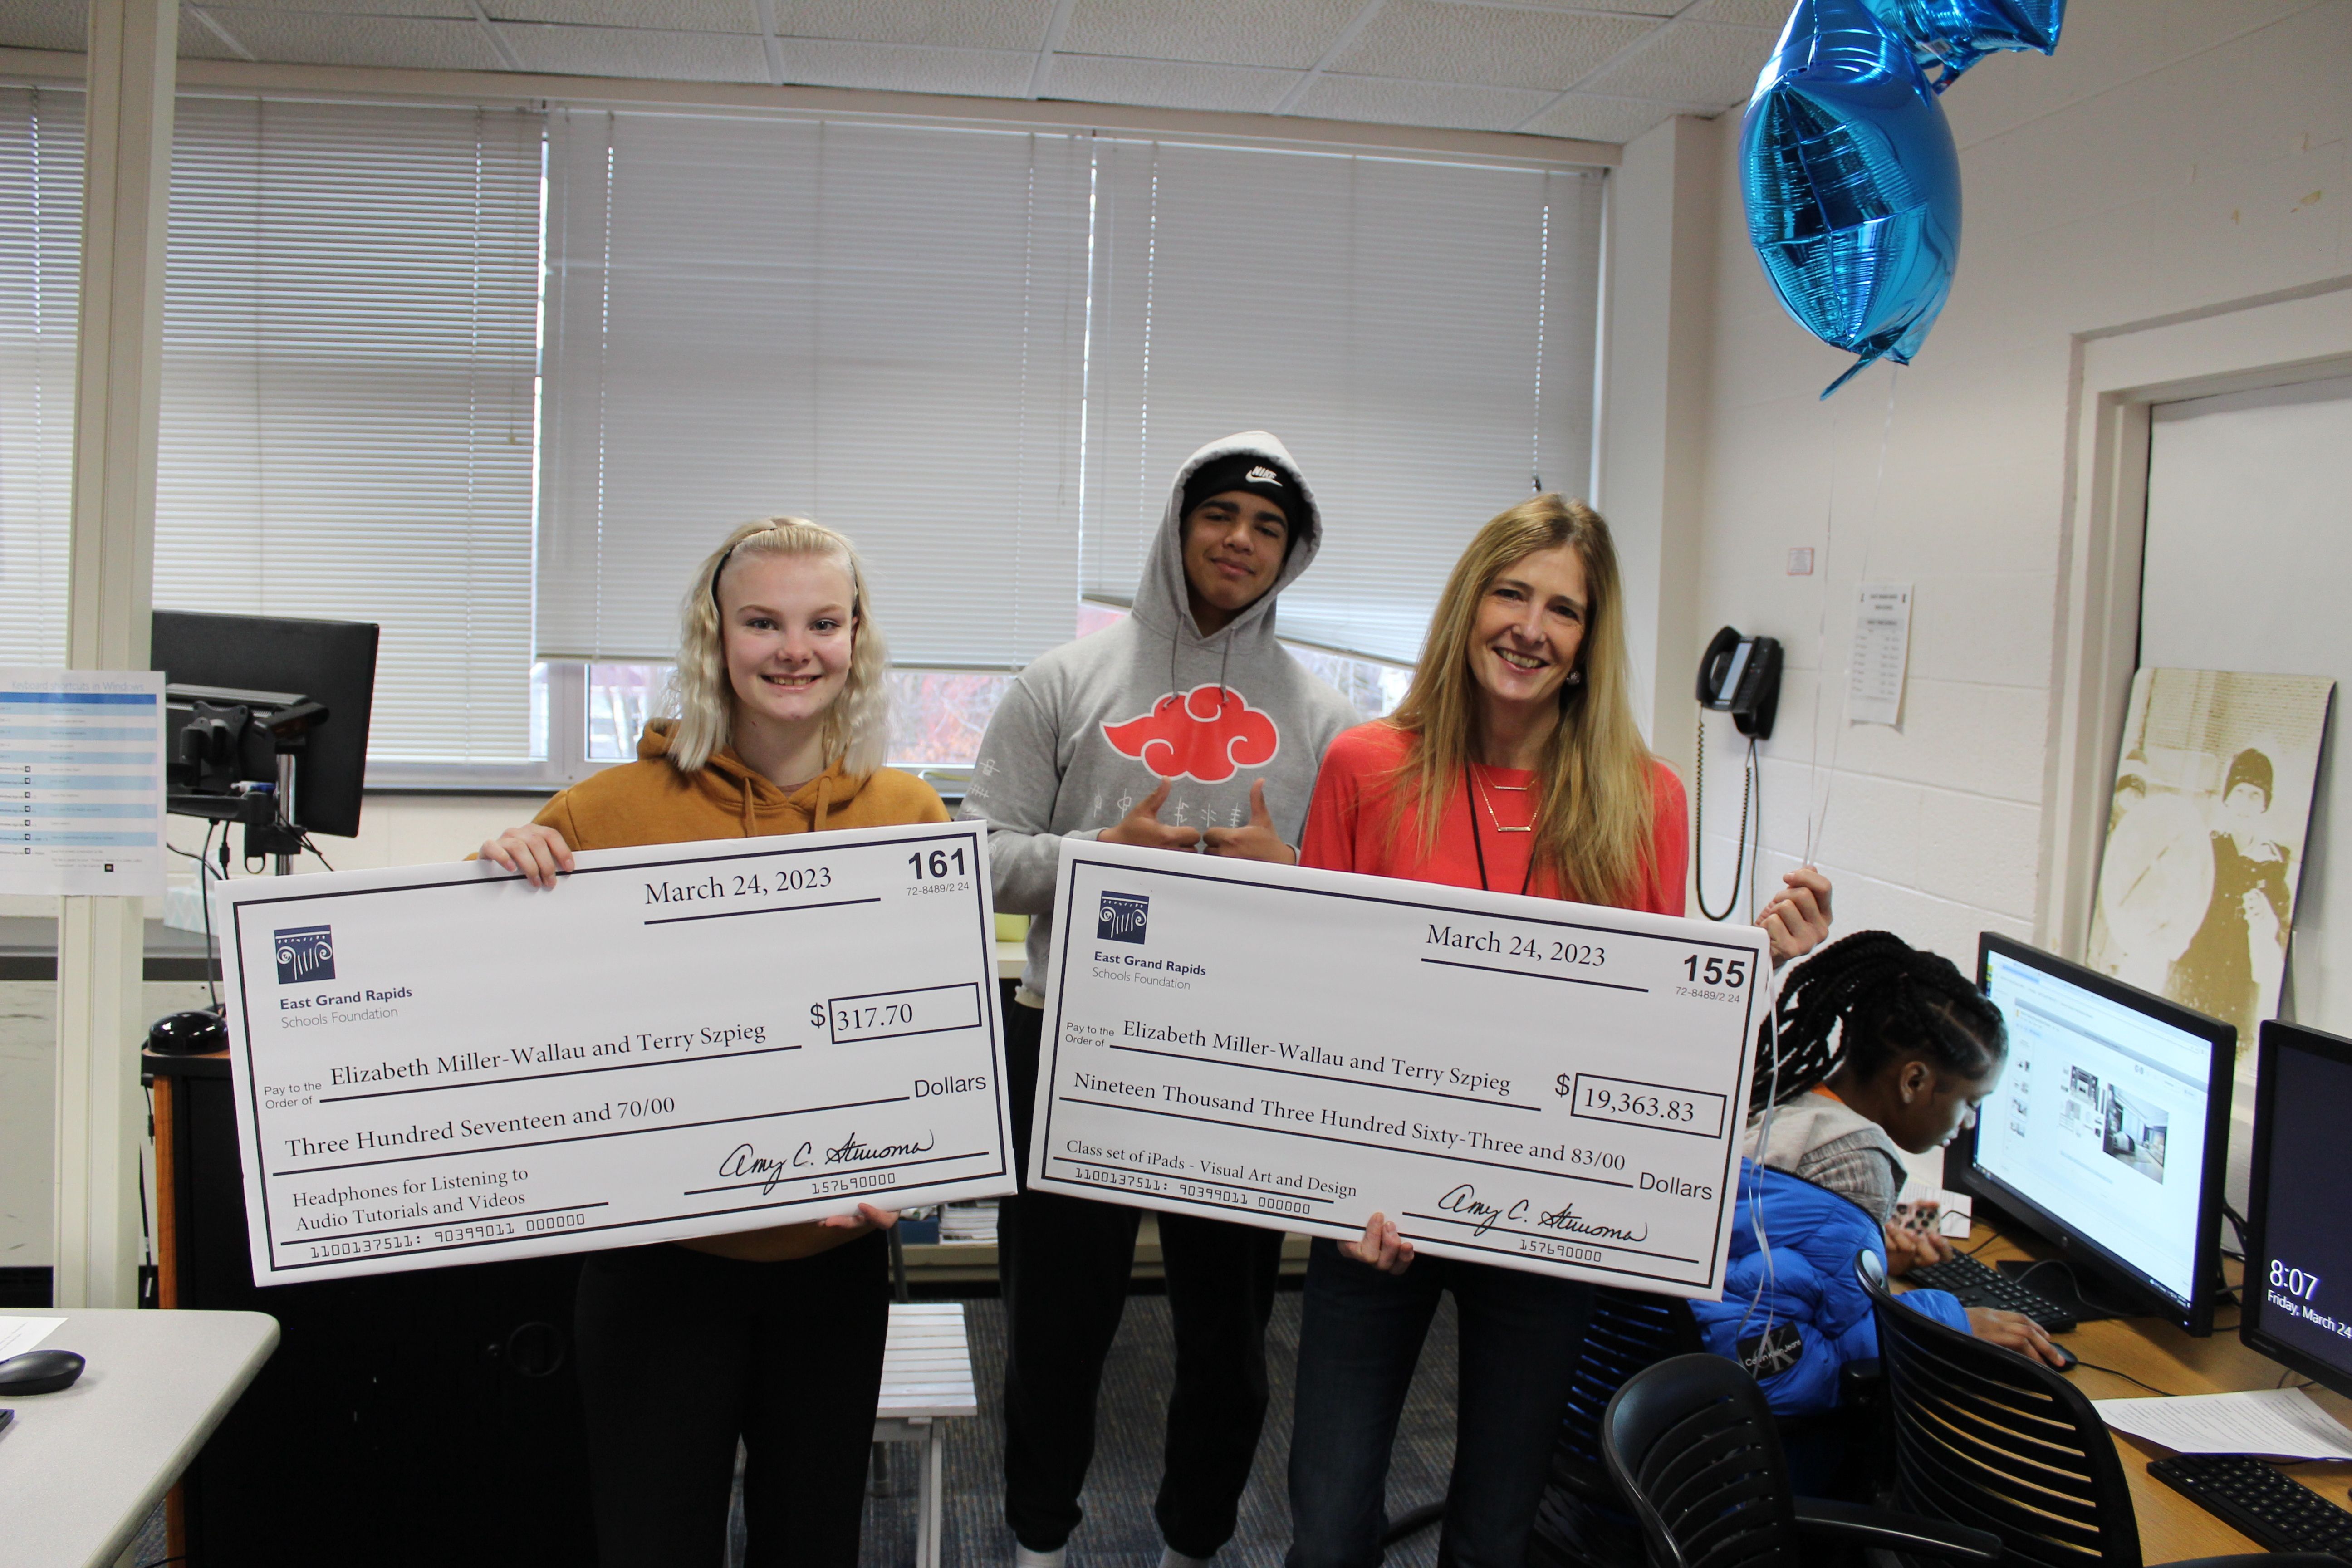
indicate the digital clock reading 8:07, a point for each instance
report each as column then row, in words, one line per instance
column 2294, row 1282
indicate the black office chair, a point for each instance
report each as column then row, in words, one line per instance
column 1581, row 1523
column 1691, row 1444
column 1991, row 1440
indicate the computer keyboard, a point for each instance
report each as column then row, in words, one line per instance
column 2253, row 1498
column 1977, row 1285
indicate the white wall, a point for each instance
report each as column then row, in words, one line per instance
column 1656, row 348
column 2173, row 156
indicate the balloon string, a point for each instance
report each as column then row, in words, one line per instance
column 1815, row 807
column 1827, row 781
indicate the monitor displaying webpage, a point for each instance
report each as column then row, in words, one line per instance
column 2099, row 1119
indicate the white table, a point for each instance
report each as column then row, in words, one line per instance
column 81, row 1469
column 926, row 1379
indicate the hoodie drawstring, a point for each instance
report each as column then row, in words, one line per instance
column 824, row 805
column 1224, row 663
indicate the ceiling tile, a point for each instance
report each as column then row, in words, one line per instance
column 1386, row 101
column 960, row 24
column 297, row 37
column 45, row 24
column 635, row 52
column 453, row 8
column 1293, row 33
column 1487, row 45
column 893, row 68
column 1691, row 63
column 1772, row 15
column 1593, row 119
column 652, row 16
column 1167, row 84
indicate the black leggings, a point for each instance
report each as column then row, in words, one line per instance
column 681, row 1352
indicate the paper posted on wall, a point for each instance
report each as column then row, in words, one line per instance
column 82, row 764
column 1882, row 653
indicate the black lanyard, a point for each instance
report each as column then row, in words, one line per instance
column 1470, row 795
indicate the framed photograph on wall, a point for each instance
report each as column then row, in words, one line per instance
column 2206, row 834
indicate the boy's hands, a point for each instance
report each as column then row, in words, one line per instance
column 1257, row 841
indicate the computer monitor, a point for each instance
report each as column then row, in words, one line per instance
column 2108, row 1133
column 2298, row 1288
column 327, row 662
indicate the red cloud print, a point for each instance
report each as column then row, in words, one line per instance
column 1205, row 733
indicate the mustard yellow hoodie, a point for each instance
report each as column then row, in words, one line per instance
column 650, row 802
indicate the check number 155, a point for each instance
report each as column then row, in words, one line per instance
column 1715, row 971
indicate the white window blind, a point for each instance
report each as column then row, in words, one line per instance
column 1419, row 334
column 349, row 357
column 40, row 288
column 878, row 327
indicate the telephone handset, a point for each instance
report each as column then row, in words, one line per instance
column 1741, row 676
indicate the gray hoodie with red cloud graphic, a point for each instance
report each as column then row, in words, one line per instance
column 1091, row 728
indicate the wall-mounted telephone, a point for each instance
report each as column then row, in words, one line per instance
column 1741, row 676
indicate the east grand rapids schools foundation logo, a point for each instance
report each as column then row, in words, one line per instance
column 306, row 953
column 1123, row 918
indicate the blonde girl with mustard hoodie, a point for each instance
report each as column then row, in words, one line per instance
column 772, row 1336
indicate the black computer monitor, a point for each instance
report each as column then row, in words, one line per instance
column 329, row 662
column 2109, row 1131
column 2298, row 1288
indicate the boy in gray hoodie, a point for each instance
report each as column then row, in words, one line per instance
column 1187, row 727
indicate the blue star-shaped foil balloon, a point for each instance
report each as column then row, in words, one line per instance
column 1956, row 33
column 1852, row 182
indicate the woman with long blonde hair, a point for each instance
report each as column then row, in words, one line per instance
column 1513, row 765
column 772, row 1336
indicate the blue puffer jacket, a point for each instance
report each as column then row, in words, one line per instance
column 1796, row 1326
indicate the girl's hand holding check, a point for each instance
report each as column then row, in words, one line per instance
column 1797, row 917
column 539, row 853
column 1382, row 1246
column 868, row 1218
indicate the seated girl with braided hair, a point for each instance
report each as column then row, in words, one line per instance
column 1882, row 1049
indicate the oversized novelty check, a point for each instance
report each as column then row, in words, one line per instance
column 444, row 1064
column 1512, row 1080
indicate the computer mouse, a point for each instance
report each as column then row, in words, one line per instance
column 39, row 1372
column 2067, row 1359
column 188, row 1033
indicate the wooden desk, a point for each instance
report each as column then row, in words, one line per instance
column 2170, row 1526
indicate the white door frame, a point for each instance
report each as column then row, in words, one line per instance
column 2119, row 374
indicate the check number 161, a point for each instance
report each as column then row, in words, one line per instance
column 1715, row 971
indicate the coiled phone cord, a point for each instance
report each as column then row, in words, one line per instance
column 1698, row 825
